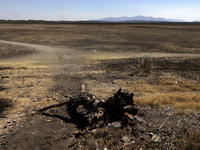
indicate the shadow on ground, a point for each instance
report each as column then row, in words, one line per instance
column 4, row 103
column 78, row 119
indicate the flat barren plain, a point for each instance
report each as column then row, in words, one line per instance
column 45, row 63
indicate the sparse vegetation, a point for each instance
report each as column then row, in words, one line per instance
column 166, row 85
column 112, row 57
column 145, row 64
column 22, row 83
column 107, row 37
column 188, row 139
column 8, row 50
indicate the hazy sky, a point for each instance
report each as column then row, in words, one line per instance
column 188, row 10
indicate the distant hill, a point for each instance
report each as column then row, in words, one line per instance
column 137, row 18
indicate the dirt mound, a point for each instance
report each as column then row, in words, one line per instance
column 7, row 50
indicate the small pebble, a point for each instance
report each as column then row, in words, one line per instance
column 22, row 115
column 94, row 130
column 8, row 121
column 116, row 124
column 125, row 139
column 33, row 113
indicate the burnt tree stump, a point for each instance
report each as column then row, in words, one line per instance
column 113, row 109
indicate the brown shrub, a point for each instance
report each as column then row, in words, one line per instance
column 145, row 64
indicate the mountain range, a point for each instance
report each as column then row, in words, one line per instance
column 137, row 18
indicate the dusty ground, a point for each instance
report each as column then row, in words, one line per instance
column 172, row 38
column 104, row 58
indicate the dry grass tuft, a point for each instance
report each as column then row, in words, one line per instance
column 182, row 101
column 145, row 64
column 188, row 140
column 179, row 93
column 192, row 86
column 109, row 138
column 25, row 83
column 184, row 111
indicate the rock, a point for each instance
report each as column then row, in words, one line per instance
column 82, row 88
column 33, row 132
column 94, row 131
column 139, row 119
column 71, row 142
column 33, row 113
column 22, row 115
column 116, row 124
column 125, row 139
column 39, row 98
column 8, row 121
column 5, row 127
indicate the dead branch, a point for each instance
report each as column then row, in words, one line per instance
column 113, row 109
